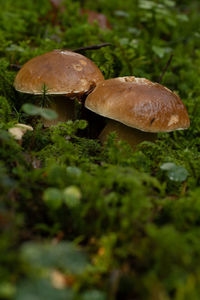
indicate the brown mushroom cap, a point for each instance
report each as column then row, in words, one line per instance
column 139, row 103
column 62, row 72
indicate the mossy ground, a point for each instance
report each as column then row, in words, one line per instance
column 82, row 221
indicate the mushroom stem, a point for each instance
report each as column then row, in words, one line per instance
column 65, row 108
column 131, row 135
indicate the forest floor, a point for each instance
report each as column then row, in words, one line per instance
column 79, row 220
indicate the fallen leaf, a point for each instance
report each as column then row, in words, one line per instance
column 99, row 18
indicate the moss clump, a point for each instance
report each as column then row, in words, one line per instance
column 82, row 221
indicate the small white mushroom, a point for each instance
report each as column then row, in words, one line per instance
column 19, row 130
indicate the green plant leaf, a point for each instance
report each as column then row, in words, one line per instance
column 93, row 295
column 53, row 198
column 48, row 114
column 72, row 196
column 7, row 290
column 74, row 171
column 63, row 255
column 82, row 124
column 161, row 51
column 149, row 5
column 31, row 109
column 34, row 110
column 174, row 172
column 167, row 166
column 40, row 289
column 121, row 13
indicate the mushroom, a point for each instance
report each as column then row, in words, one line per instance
column 64, row 74
column 138, row 109
column 19, row 130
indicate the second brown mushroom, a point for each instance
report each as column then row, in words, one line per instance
column 137, row 109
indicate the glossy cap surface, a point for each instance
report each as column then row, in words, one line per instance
column 139, row 103
column 61, row 72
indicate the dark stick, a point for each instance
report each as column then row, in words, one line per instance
column 165, row 68
column 93, row 47
column 15, row 67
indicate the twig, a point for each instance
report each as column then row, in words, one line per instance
column 15, row 67
column 93, row 47
column 165, row 68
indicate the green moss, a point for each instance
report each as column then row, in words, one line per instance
column 138, row 226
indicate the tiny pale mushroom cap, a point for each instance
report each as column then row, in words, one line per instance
column 58, row 279
column 61, row 72
column 24, row 127
column 139, row 103
column 19, row 130
column 17, row 133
